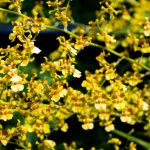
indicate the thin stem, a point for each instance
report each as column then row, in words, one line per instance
column 62, row 30
column 12, row 12
column 102, row 83
column 36, row 34
column 119, row 55
column 68, row 5
column 144, row 144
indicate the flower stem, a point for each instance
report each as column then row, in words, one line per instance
column 144, row 144
column 12, row 12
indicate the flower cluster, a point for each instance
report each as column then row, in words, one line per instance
column 40, row 106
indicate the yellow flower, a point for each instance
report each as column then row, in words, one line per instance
column 36, row 50
column 6, row 114
column 39, row 88
column 11, row 130
column 4, row 142
column 73, row 51
column 29, row 128
column 109, row 128
column 24, row 63
column 145, row 106
column 49, row 143
column 133, row 78
column 6, row 117
column 120, row 105
column 88, row 126
column 127, row 119
column 145, row 49
column 147, row 28
column 15, row 78
column 46, row 128
column 104, row 116
column 64, row 128
column 77, row 74
column 110, row 74
column 132, row 146
column 100, row 106
column 63, row 93
column 55, row 98
column 147, row 32
column 59, row 95
column 115, row 141
column 12, row 72
column 17, row 87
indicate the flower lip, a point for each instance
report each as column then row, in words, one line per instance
column 15, row 78
column 35, row 50
column 77, row 74
column 17, row 87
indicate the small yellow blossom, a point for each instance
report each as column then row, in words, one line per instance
column 29, row 145
column 132, row 146
column 24, row 63
column 55, row 98
column 4, row 142
column 59, row 95
column 88, row 126
column 6, row 117
column 77, row 74
column 110, row 74
column 49, row 143
column 64, row 128
column 36, row 50
column 39, row 88
column 12, row 72
column 46, row 128
column 146, row 28
column 145, row 49
column 109, row 128
column 29, row 128
column 24, row 137
column 115, row 141
column 17, row 87
column 147, row 32
column 100, row 106
column 145, row 106
column 11, row 130
column 127, row 119
column 104, row 116
column 120, row 105
column 73, row 51
column 63, row 93
column 15, row 78
column 133, row 79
